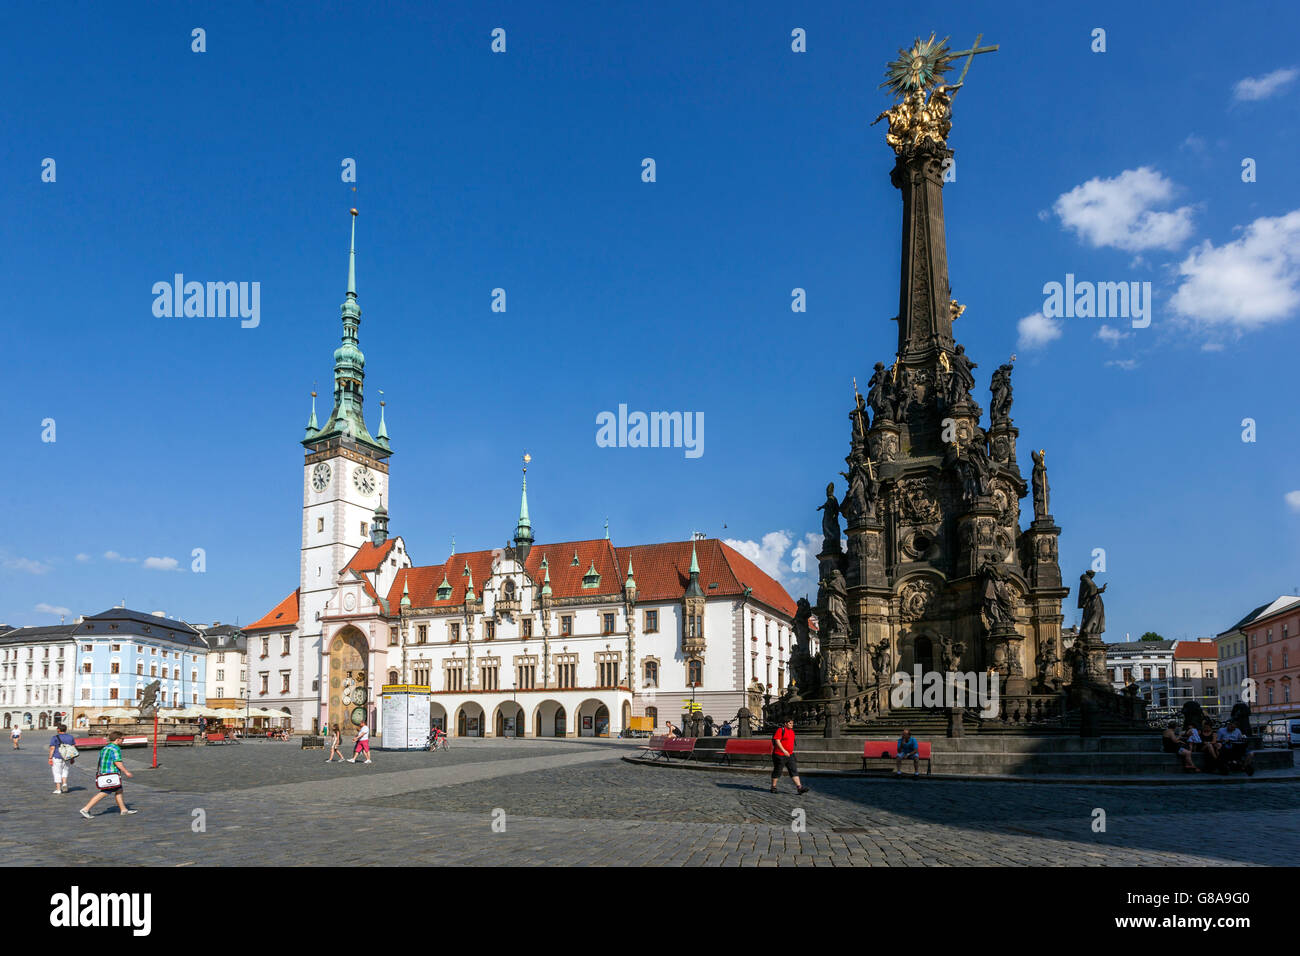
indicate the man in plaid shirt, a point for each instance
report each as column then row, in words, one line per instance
column 110, row 761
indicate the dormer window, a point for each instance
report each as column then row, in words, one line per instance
column 574, row 563
column 592, row 578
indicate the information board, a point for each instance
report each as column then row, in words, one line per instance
column 405, row 717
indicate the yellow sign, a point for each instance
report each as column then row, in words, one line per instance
column 404, row 689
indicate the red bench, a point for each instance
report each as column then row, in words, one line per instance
column 888, row 750
column 662, row 746
column 90, row 743
column 216, row 738
column 745, row 747
column 179, row 740
column 134, row 742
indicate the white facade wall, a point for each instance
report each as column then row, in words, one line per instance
column 37, row 694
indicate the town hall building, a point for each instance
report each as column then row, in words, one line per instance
column 545, row 639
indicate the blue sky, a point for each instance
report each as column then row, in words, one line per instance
column 522, row 171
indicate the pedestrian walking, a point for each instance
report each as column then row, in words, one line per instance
column 16, row 735
column 63, row 750
column 109, row 776
column 336, row 741
column 783, row 756
column 362, row 744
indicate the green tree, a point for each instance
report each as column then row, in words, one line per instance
column 1150, row 636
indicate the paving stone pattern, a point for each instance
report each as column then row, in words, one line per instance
column 577, row 803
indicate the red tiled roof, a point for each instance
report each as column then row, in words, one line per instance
column 1196, row 650
column 284, row 614
column 662, row 572
column 369, row 558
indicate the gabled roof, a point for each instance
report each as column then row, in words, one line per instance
column 138, row 623
column 369, row 558
column 284, row 614
column 37, row 633
column 1264, row 610
column 662, row 572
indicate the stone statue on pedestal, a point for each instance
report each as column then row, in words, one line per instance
column 833, row 606
column 1042, row 491
column 880, row 395
column 1093, row 624
column 830, row 522
column 999, row 604
column 1000, row 386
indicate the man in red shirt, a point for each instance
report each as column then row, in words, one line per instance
column 783, row 756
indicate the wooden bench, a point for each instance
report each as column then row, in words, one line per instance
column 745, row 747
column 90, row 743
column 178, row 740
column 134, row 742
column 215, row 738
column 662, row 746
column 888, row 749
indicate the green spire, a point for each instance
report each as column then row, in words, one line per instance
column 469, row 588
column 312, row 427
column 406, row 595
column 606, row 529
column 347, row 418
column 631, row 581
column 524, row 529
column 693, row 588
column 546, row 584
column 382, row 434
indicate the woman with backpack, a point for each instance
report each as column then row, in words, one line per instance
column 63, row 750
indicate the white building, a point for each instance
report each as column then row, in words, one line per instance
column 227, row 674
column 570, row 638
column 37, row 676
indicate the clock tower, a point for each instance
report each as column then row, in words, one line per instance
column 345, row 477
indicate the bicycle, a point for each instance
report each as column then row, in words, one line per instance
column 437, row 742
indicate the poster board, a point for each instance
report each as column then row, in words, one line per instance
column 404, row 716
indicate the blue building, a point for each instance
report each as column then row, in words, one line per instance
column 120, row 652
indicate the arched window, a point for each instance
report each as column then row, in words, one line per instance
column 651, row 673
column 651, row 712
column 694, row 673
column 393, row 678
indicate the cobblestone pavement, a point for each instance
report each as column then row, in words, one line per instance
column 575, row 802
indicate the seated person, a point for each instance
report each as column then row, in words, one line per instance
column 1232, row 747
column 1208, row 746
column 907, row 748
column 1191, row 742
column 1169, row 741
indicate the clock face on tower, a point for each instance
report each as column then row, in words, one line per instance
column 320, row 477
column 364, row 479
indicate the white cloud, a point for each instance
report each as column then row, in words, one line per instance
column 1247, row 283
column 1212, row 347
column 1293, row 500
column 1037, row 330
column 1262, row 87
column 1127, row 365
column 26, row 565
column 1194, row 143
column 44, row 608
column 114, row 556
column 83, row 558
column 1111, row 335
column 766, row 555
column 161, row 564
column 1118, row 212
